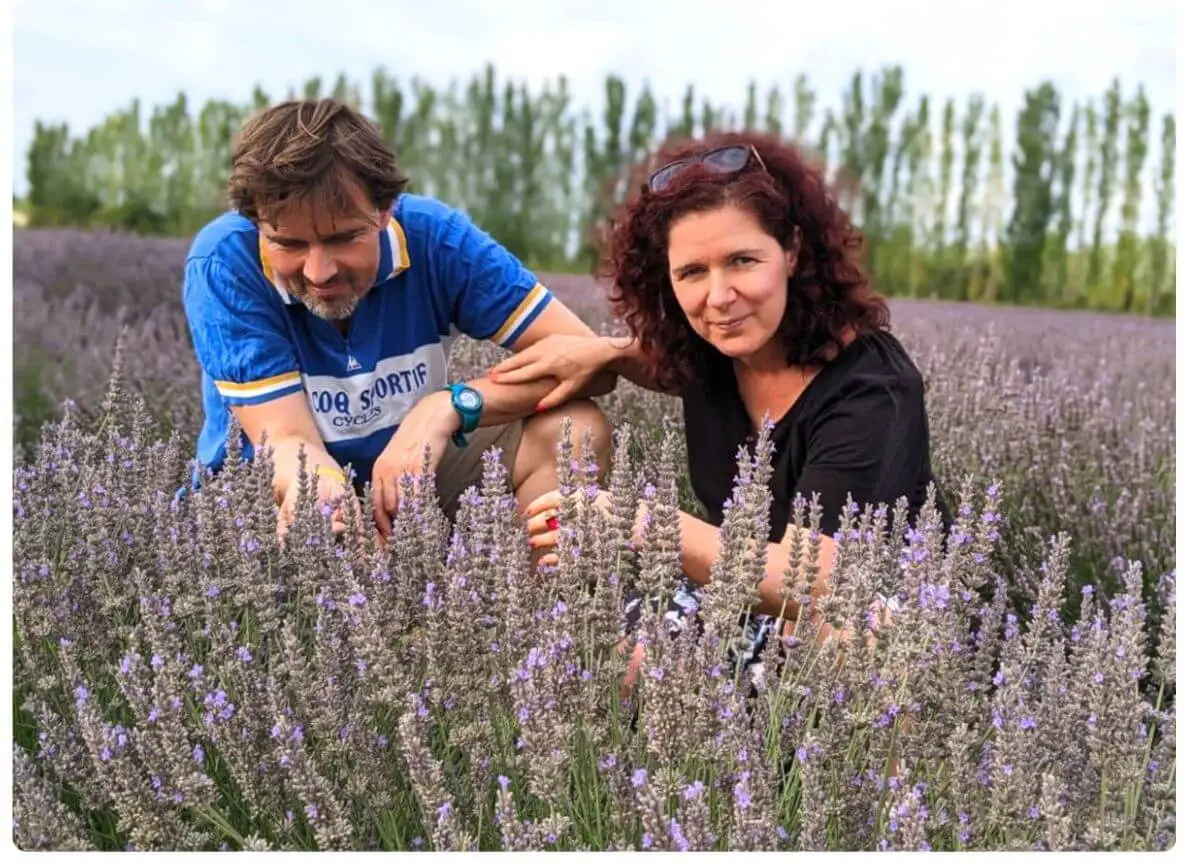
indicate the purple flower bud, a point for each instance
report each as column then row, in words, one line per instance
column 742, row 798
column 679, row 838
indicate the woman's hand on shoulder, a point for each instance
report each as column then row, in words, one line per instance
column 573, row 361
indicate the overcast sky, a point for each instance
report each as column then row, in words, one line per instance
column 77, row 60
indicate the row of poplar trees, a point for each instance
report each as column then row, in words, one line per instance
column 930, row 185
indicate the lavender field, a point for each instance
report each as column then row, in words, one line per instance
column 184, row 683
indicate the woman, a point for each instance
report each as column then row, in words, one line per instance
column 738, row 276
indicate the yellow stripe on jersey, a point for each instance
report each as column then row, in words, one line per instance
column 400, row 247
column 264, row 262
column 526, row 306
column 260, row 387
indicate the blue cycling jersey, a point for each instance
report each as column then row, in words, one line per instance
column 439, row 276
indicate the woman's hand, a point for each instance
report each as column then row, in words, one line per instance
column 573, row 360
column 543, row 520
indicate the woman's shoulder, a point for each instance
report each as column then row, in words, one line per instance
column 875, row 361
column 872, row 364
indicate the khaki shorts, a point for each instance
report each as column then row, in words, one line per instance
column 463, row 467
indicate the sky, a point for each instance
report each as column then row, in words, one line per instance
column 78, row 60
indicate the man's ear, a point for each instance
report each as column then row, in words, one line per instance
column 383, row 215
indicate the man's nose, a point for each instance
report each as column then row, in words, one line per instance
column 319, row 267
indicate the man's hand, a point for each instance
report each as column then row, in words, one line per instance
column 329, row 490
column 431, row 422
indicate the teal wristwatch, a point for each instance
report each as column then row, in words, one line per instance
column 468, row 403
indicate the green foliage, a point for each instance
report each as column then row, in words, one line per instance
column 1034, row 172
column 542, row 174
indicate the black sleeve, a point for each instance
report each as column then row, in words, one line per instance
column 866, row 441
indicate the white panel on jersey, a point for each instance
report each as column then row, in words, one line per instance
column 351, row 407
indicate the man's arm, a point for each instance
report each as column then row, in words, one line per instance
column 508, row 402
column 241, row 342
column 490, row 295
column 288, row 425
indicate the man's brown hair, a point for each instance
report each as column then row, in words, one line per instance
column 311, row 151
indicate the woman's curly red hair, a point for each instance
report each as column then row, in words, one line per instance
column 828, row 291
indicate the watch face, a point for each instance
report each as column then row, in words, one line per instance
column 468, row 399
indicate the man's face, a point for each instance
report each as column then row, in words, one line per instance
column 326, row 260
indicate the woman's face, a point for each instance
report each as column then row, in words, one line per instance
column 730, row 277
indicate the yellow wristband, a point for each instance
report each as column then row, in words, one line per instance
column 327, row 471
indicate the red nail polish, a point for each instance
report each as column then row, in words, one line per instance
column 552, row 522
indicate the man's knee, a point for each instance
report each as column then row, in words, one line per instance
column 538, row 452
column 545, row 430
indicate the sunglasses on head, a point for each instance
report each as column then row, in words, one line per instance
column 722, row 160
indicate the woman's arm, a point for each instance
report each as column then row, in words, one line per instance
column 700, row 549
column 626, row 360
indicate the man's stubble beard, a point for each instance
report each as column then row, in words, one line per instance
column 332, row 310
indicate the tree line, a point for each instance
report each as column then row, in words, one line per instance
column 927, row 183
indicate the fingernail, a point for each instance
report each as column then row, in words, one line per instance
column 540, row 408
column 552, row 522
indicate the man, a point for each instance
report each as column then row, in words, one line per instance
column 323, row 308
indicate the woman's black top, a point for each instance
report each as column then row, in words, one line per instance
column 859, row 427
